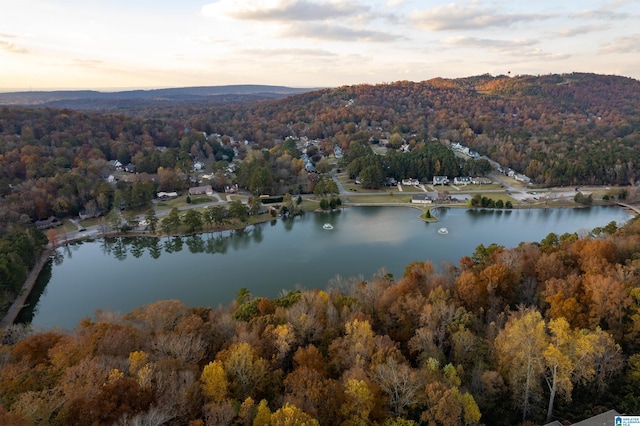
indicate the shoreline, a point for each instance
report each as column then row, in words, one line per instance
column 17, row 305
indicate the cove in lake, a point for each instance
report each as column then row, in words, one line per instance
column 208, row 269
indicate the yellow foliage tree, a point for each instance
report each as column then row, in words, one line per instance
column 263, row 414
column 214, row 381
column 245, row 369
column 519, row 347
column 359, row 403
column 290, row 415
column 568, row 358
column 137, row 360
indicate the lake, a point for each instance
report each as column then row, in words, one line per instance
column 208, row 269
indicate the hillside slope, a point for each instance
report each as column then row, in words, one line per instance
column 91, row 99
column 558, row 129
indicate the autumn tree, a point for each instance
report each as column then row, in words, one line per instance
column 290, row 415
column 245, row 370
column 607, row 301
column 519, row 348
column 263, row 414
column 400, row 383
column 214, row 381
column 356, row 347
column 359, row 402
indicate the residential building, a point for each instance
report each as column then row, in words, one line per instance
column 201, row 190
column 430, row 198
column 522, row 178
column 51, row 222
column 410, row 182
column 462, row 180
column 440, row 180
column 480, row 181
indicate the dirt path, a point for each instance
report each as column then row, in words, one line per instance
column 17, row 304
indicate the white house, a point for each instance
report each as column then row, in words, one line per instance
column 337, row 151
column 480, row 181
column 522, row 178
column 462, row 180
column 440, row 180
column 410, row 182
column 167, row 195
column 423, row 199
column 116, row 165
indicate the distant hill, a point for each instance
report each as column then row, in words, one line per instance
column 91, row 99
column 558, row 129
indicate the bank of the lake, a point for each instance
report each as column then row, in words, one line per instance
column 207, row 270
column 21, row 301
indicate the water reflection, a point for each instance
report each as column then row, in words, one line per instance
column 284, row 254
column 195, row 243
column 210, row 243
column 30, row 309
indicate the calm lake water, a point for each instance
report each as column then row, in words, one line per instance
column 208, row 269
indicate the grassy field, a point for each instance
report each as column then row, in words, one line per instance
column 351, row 186
column 383, row 198
column 181, row 201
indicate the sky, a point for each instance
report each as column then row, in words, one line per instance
column 144, row 44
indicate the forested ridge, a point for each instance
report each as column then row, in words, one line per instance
column 434, row 347
column 547, row 330
column 571, row 129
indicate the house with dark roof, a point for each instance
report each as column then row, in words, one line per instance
column 462, row 180
column 429, row 198
column 48, row 223
column 201, row 190
column 116, row 165
column 604, row 419
column 440, row 180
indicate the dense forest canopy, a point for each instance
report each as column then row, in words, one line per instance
column 569, row 129
column 509, row 335
column 542, row 331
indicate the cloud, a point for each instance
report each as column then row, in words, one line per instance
column 629, row 44
column 204, row 39
column 338, row 33
column 295, row 53
column 584, row 29
column 88, row 63
column 10, row 47
column 457, row 17
column 495, row 45
column 601, row 14
column 282, row 10
column 514, row 48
